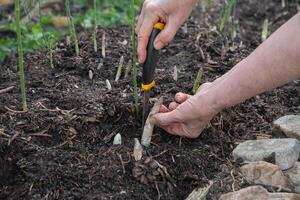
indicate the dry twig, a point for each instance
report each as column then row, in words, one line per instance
column 14, row 111
column 6, row 89
column 123, row 167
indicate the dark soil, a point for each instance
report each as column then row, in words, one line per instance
column 62, row 147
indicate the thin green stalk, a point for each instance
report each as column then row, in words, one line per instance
column 134, row 67
column 20, row 56
column 95, row 26
column 72, row 27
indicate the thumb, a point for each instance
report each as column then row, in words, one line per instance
column 165, row 36
column 164, row 119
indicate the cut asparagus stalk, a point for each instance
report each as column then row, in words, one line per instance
column 91, row 74
column 108, row 85
column 103, row 45
column 148, row 128
column 117, row 139
column 119, row 72
column 137, row 150
column 175, row 74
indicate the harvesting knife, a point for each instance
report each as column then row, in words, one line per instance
column 149, row 67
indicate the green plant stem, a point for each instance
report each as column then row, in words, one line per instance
column 48, row 42
column 20, row 56
column 134, row 67
column 72, row 27
column 226, row 13
column 50, row 52
column 95, row 26
column 198, row 80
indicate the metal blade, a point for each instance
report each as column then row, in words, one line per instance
column 146, row 106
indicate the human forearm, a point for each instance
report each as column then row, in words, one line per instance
column 272, row 64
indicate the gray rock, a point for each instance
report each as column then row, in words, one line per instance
column 264, row 173
column 286, row 151
column 290, row 125
column 294, row 176
column 258, row 193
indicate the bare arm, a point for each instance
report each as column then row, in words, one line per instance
column 272, row 64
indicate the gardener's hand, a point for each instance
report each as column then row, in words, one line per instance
column 188, row 115
column 172, row 12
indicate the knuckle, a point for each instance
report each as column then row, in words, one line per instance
column 149, row 6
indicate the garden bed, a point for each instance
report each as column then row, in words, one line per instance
column 62, row 147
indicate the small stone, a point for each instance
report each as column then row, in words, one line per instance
column 290, row 125
column 286, row 151
column 264, row 173
column 294, row 176
column 258, row 193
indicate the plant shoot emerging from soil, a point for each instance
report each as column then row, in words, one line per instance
column 134, row 67
column 148, row 128
column 120, row 67
column 72, row 27
column 95, row 26
column 20, row 56
column 103, row 52
column 198, row 80
column 227, row 11
column 265, row 30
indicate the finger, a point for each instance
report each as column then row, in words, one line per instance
column 163, row 109
column 164, row 119
column 166, row 35
column 143, row 36
column 139, row 23
column 173, row 106
column 174, row 129
column 181, row 97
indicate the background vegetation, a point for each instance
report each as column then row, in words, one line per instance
column 109, row 13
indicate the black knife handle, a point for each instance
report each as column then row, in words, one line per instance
column 151, row 60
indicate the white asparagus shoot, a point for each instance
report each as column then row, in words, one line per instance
column 91, row 74
column 148, row 128
column 117, row 139
column 175, row 74
column 119, row 72
column 265, row 30
column 108, row 85
column 137, row 150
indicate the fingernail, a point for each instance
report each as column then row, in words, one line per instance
column 158, row 45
